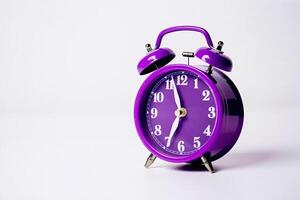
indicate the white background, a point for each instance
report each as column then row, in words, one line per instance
column 68, row 81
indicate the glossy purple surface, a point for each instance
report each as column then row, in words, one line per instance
column 214, row 58
column 159, row 57
column 154, row 60
column 184, row 28
column 225, row 127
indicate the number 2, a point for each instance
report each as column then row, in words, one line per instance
column 205, row 95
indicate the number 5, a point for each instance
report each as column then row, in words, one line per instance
column 197, row 143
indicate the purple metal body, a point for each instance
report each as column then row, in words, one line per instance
column 215, row 58
column 229, row 114
column 226, row 99
column 162, row 56
column 155, row 59
column 184, row 28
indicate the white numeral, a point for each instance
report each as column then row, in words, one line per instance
column 196, row 83
column 205, row 95
column 197, row 143
column 180, row 146
column 157, row 130
column 182, row 80
column 169, row 85
column 154, row 113
column 158, row 97
column 212, row 112
column 207, row 131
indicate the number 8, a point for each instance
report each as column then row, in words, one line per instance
column 157, row 130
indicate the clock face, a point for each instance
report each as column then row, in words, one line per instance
column 180, row 113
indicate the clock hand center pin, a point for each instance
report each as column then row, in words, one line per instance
column 181, row 112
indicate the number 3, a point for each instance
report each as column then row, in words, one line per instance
column 212, row 112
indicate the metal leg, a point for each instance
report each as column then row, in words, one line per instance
column 207, row 164
column 150, row 160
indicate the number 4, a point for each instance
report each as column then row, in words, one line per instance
column 207, row 131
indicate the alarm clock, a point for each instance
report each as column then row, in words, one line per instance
column 184, row 113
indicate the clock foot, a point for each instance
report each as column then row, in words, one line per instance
column 150, row 160
column 207, row 164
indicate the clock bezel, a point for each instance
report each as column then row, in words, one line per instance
column 140, row 104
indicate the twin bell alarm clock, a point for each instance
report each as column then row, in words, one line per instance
column 185, row 113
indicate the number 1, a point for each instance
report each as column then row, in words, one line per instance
column 196, row 83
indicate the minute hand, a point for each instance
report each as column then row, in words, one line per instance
column 176, row 95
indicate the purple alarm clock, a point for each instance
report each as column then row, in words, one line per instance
column 184, row 113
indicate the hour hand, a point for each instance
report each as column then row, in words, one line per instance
column 180, row 112
column 173, row 129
